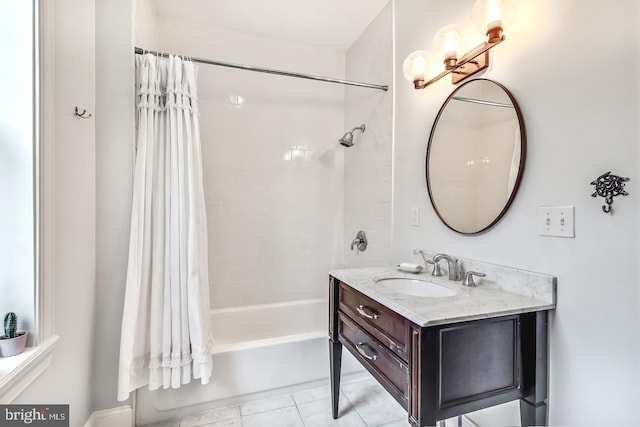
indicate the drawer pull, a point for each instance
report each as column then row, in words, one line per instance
column 363, row 313
column 364, row 354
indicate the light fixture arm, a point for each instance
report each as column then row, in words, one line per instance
column 475, row 60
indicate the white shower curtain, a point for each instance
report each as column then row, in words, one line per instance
column 165, row 338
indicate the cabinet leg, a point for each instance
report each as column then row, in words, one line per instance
column 335, row 361
column 533, row 407
column 532, row 415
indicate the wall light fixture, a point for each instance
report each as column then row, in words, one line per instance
column 459, row 51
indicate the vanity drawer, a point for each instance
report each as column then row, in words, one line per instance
column 388, row 367
column 384, row 324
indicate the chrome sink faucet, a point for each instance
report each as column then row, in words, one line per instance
column 455, row 272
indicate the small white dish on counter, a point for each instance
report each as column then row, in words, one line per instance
column 409, row 268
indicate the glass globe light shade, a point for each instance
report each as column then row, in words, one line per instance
column 450, row 43
column 420, row 66
column 491, row 17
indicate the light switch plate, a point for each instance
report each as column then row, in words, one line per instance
column 557, row 221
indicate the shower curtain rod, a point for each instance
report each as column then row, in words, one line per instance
column 269, row 71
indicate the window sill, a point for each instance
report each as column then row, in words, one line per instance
column 17, row 372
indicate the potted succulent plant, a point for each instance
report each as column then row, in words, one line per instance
column 12, row 342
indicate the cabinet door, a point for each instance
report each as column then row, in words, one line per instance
column 479, row 359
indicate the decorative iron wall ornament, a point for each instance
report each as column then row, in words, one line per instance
column 609, row 186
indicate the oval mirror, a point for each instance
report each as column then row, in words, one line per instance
column 475, row 156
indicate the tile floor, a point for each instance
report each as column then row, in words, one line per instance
column 363, row 403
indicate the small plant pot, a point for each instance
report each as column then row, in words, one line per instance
column 13, row 346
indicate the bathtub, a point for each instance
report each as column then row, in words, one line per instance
column 259, row 350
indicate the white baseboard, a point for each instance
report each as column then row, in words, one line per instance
column 115, row 417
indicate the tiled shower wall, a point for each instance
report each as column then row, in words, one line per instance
column 367, row 172
column 272, row 167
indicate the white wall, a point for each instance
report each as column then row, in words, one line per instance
column 367, row 171
column 67, row 380
column 114, row 181
column 272, row 165
column 581, row 121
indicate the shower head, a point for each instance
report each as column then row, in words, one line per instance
column 347, row 138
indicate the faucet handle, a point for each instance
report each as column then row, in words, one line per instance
column 360, row 242
column 437, row 272
column 468, row 278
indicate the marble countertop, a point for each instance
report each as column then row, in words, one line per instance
column 488, row 299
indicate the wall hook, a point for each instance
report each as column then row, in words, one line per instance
column 81, row 115
column 609, row 186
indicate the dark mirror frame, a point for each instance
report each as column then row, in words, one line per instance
column 523, row 155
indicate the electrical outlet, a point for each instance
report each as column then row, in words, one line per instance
column 557, row 221
column 415, row 217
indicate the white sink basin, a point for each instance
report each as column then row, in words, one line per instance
column 415, row 287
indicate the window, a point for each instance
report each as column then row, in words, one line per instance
column 18, row 147
column 24, row 286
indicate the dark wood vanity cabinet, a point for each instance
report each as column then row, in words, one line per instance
column 442, row 371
